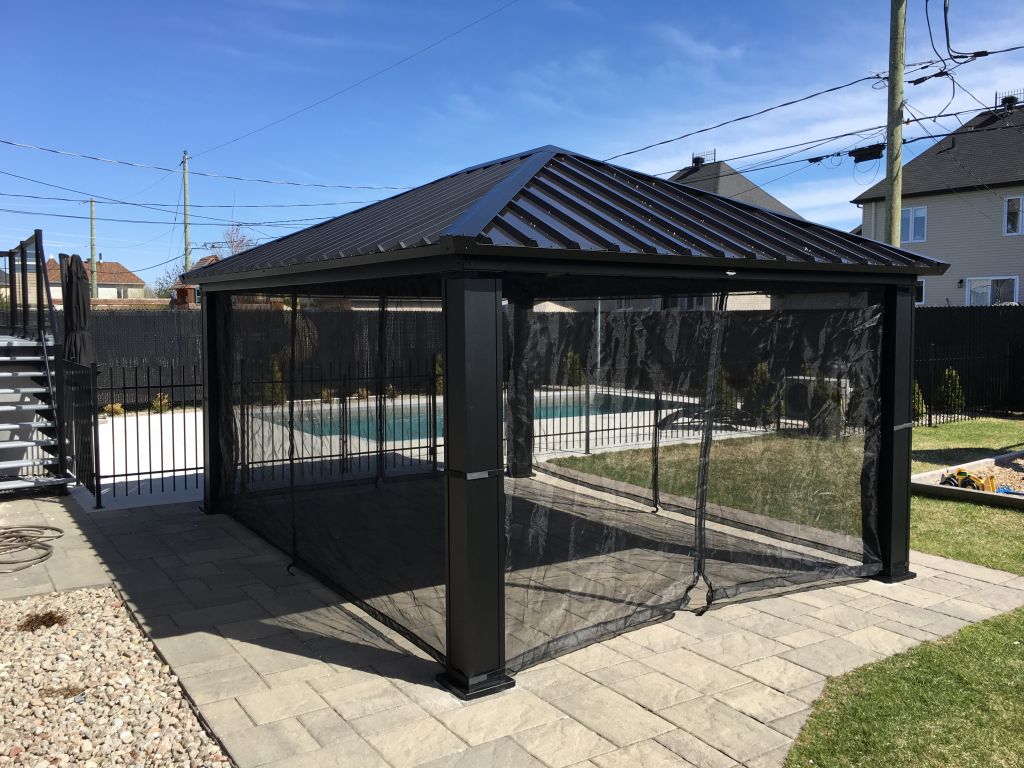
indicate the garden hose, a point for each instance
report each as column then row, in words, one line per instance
column 22, row 546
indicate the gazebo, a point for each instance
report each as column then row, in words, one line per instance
column 546, row 399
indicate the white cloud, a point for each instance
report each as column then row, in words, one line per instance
column 703, row 51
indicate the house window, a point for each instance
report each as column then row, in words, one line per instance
column 913, row 224
column 199, row 294
column 987, row 291
column 1011, row 216
column 122, row 293
column 919, row 292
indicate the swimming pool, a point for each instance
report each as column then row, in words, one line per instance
column 410, row 421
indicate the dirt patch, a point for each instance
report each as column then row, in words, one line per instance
column 1010, row 472
column 43, row 620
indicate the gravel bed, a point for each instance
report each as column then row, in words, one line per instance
column 90, row 691
column 1010, row 472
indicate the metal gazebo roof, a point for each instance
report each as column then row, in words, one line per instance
column 552, row 202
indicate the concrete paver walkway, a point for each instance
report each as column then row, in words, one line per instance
column 288, row 674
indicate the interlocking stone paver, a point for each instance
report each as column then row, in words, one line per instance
column 961, row 609
column 700, row 627
column 192, row 647
column 554, row 681
column 624, row 645
column 266, row 743
column 593, row 657
column 907, row 631
column 908, row 614
column 226, row 683
column 326, row 726
column 562, row 742
column 654, row 690
column 999, row 598
column 298, row 674
column 415, row 743
column 345, row 754
column 881, row 641
column 780, row 674
column 945, row 625
column 846, row 617
column 387, row 719
column 831, row 657
column 805, row 636
column 659, row 638
column 364, row 698
column 760, row 702
column 738, row 648
column 227, row 715
column 276, row 653
column 493, row 754
column 500, row 715
column 942, row 586
column 616, row 672
column 694, row 670
column 697, row 752
column 279, row 703
column 646, row 754
column 774, row 759
column 808, row 693
column 740, row 737
column 784, row 607
column 791, row 724
column 766, row 625
column 613, row 716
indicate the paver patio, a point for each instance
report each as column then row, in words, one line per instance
column 287, row 673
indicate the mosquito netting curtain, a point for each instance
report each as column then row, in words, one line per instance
column 682, row 450
column 337, row 444
column 662, row 451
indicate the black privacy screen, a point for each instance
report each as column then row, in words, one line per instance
column 685, row 450
column 338, row 445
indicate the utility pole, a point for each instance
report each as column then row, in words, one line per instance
column 184, row 182
column 93, row 280
column 894, row 130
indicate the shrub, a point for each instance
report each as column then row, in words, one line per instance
column 920, row 406
column 725, row 398
column 438, row 375
column 362, row 393
column 326, row 394
column 113, row 409
column 160, row 403
column 824, row 418
column 273, row 390
column 574, row 375
column 759, row 399
column 391, row 392
column 950, row 397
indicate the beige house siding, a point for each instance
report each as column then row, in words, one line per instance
column 965, row 230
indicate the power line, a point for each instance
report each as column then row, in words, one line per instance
column 760, row 112
column 278, row 223
column 208, row 174
column 194, row 205
column 363, row 80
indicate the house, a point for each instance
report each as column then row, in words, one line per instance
column 962, row 201
column 722, row 179
column 113, row 280
column 188, row 294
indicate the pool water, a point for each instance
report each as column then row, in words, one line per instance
column 411, row 421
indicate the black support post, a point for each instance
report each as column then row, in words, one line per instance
column 896, row 423
column 217, row 415
column 520, row 391
column 474, row 489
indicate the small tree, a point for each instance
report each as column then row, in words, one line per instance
column 438, row 375
column 920, row 406
column 950, row 397
column 574, row 375
column 273, row 390
column 162, row 285
column 725, row 398
column 824, row 417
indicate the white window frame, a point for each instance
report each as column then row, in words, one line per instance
column 911, row 238
column 967, row 288
column 1020, row 215
column 924, row 292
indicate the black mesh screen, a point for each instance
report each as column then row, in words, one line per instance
column 337, row 445
column 683, row 450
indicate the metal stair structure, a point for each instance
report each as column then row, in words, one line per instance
column 32, row 454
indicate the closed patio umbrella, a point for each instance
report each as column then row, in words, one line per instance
column 78, row 343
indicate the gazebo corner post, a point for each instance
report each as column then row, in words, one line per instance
column 520, row 389
column 214, row 313
column 474, row 489
column 896, row 425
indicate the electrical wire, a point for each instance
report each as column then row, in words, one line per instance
column 192, row 172
column 193, row 205
column 364, row 80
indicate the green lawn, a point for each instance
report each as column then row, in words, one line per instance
column 957, row 701
column 796, row 478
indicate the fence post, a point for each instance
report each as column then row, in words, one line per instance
column 586, row 416
column 94, row 375
column 655, row 478
column 931, row 381
column 433, row 413
column 24, row 291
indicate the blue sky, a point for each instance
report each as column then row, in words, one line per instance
column 142, row 82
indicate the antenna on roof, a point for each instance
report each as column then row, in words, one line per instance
column 1008, row 100
column 699, row 158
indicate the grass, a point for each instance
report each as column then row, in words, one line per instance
column 800, row 479
column 953, row 702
